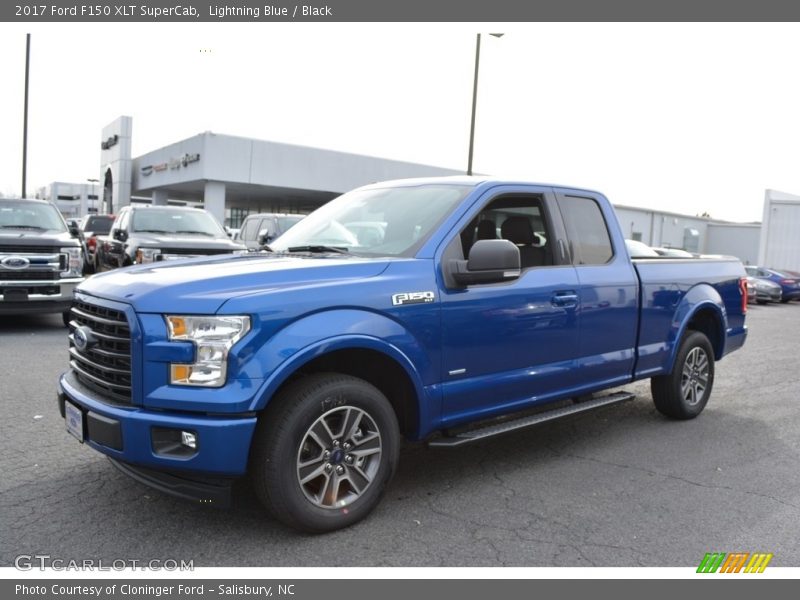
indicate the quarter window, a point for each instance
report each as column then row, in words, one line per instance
column 587, row 230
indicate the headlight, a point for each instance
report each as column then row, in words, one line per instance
column 212, row 337
column 74, row 266
column 147, row 255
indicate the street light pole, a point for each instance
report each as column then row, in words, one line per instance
column 94, row 183
column 25, row 117
column 475, row 97
column 474, row 101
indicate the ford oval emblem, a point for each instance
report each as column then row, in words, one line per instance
column 83, row 338
column 15, row 262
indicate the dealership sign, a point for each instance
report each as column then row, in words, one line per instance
column 173, row 163
column 111, row 141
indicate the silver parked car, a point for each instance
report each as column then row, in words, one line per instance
column 766, row 290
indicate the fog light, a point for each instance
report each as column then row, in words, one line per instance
column 174, row 443
column 189, row 439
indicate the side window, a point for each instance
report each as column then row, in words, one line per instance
column 267, row 226
column 586, row 230
column 518, row 219
column 249, row 231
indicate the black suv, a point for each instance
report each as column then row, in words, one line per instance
column 145, row 234
column 41, row 258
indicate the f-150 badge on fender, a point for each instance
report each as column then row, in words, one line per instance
column 412, row 298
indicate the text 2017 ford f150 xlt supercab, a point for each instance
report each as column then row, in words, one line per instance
column 304, row 366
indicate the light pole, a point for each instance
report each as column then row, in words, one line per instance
column 93, row 188
column 475, row 97
column 25, row 117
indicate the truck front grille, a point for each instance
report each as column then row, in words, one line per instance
column 11, row 249
column 6, row 275
column 104, row 364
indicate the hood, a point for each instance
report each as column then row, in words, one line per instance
column 202, row 285
column 27, row 237
column 154, row 240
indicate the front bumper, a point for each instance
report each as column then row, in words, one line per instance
column 768, row 296
column 38, row 296
column 129, row 434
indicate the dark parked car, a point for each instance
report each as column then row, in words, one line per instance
column 790, row 286
column 764, row 290
column 262, row 228
column 144, row 234
column 41, row 258
column 93, row 226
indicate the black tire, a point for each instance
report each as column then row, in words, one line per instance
column 684, row 393
column 784, row 300
column 284, row 443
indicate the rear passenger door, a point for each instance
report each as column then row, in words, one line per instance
column 608, row 304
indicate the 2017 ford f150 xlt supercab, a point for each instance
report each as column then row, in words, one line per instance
column 480, row 306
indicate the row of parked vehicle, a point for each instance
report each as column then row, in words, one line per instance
column 763, row 285
column 144, row 234
column 43, row 257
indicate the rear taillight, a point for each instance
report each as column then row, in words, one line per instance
column 92, row 243
column 788, row 282
column 743, row 292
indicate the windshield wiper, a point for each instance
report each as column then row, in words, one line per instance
column 153, row 231
column 316, row 249
column 197, row 232
column 23, row 227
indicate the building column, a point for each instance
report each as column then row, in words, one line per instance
column 214, row 199
column 160, row 197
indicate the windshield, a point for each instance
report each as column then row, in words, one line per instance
column 176, row 221
column 99, row 224
column 30, row 215
column 376, row 222
column 639, row 249
column 286, row 223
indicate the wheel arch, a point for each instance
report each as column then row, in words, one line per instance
column 368, row 358
column 702, row 309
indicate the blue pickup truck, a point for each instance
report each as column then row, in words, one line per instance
column 446, row 310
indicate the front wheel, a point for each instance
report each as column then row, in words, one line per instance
column 324, row 452
column 683, row 393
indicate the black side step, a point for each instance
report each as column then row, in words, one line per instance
column 499, row 428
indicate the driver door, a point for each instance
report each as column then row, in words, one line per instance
column 509, row 345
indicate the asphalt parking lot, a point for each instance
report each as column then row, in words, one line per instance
column 621, row 486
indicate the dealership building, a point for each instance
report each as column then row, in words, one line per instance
column 233, row 176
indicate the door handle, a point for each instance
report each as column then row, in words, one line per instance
column 565, row 299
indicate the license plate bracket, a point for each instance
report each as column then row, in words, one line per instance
column 73, row 417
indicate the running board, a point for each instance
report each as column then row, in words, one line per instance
column 480, row 433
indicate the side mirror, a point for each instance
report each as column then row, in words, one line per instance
column 490, row 261
column 74, row 229
column 120, row 235
column 264, row 237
